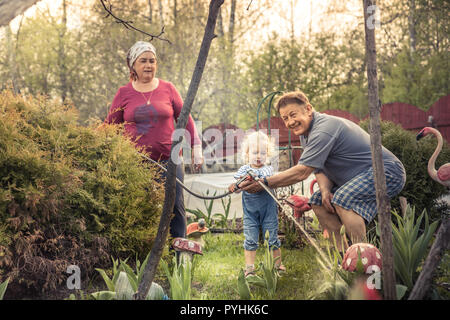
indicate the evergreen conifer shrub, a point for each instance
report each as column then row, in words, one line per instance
column 69, row 195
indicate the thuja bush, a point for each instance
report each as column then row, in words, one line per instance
column 420, row 190
column 68, row 195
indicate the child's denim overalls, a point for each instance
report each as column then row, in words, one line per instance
column 260, row 210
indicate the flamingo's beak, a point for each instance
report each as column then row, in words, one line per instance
column 420, row 135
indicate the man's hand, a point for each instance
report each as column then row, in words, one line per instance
column 326, row 201
column 325, row 185
column 250, row 186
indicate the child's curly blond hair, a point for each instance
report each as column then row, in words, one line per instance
column 257, row 138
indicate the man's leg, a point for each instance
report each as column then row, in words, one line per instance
column 331, row 222
column 355, row 227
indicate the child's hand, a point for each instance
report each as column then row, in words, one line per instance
column 232, row 188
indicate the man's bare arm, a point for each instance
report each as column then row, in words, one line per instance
column 290, row 176
column 324, row 183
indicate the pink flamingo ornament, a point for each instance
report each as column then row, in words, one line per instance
column 442, row 175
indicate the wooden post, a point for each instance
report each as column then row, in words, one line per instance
column 383, row 204
column 169, row 201
column 441, row 244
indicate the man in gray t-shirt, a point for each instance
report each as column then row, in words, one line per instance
column 339, row 148
column 338, row 152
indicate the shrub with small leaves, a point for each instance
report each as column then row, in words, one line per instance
column 419, row 189
column 68, row 195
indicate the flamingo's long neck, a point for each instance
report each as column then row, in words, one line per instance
column 431, row 163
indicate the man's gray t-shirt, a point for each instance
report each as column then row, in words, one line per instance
column 341, row 149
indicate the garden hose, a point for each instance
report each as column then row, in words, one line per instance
column 289, row 215
column 184, row 187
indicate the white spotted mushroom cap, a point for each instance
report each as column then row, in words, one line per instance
column 370, row 256
column 182, row 244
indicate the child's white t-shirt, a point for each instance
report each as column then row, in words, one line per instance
column 264, row 171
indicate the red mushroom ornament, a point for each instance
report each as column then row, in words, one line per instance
column 196, row 230
column 187, row 248
column 370, row 256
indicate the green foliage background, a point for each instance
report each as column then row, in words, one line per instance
column 420, row 190
column 86, row 64
column 68, row 195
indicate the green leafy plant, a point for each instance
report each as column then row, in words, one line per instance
column 243, row 286
column 336, row 282
column 410, row 244
column 125, row 281
column 180, row 279
column 268, row 267
column 208, row 214
column 222, row 218
column 3, row 287
column 269, row 270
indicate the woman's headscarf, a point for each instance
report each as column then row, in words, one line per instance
column 136, row 50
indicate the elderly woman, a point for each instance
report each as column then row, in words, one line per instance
column 338, row 152
column 148, row 107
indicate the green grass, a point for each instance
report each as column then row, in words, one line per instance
column 215, row 273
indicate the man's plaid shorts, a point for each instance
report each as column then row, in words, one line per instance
column 359, row 193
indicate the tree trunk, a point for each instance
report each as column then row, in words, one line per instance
column 161, row 15
column 169, row 201
column 150, row 11
column 220, row 25
column 292, row 22
column 12, row 63
column 174, row 11
column 412, row 26
column 441, row 244
column 62, row 54
column 9, row 9
column 383, row 205
column 231, row 26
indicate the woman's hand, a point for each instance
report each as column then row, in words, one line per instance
column 197, row 158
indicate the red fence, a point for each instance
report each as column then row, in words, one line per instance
column 414, row 119
column 408, row 116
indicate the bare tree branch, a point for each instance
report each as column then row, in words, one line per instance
column 129, row 24
column 249, row 4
